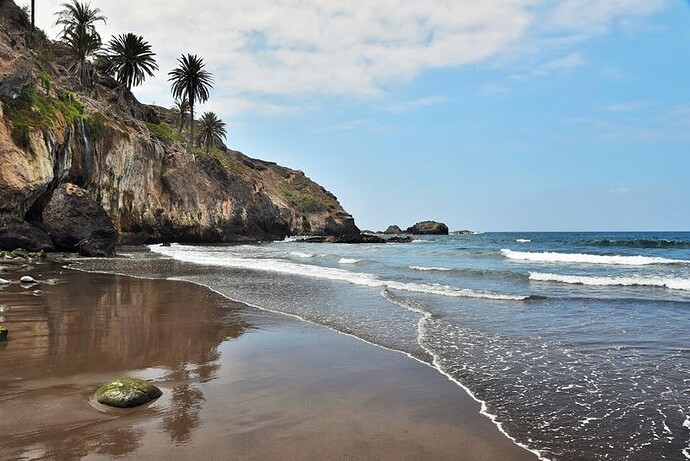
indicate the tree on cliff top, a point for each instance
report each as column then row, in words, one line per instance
column 78, row 21
column 130, row 59
column 181, row 109
column 191, row 82
column 211, row 130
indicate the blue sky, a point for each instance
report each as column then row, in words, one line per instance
column 497, row 115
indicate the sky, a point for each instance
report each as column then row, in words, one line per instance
column 500, row 115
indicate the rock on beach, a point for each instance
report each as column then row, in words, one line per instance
column 127, row 392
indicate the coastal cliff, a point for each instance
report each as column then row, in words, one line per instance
column 130, row 159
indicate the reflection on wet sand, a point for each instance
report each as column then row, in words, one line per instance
column 92, row 328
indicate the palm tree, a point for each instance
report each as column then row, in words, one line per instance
column 130, row 59
column 181, row 108
column 191, row 82
column 78, row 21
column 211, row 130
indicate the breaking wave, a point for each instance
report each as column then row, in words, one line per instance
column 661, row 282
column 552, row 257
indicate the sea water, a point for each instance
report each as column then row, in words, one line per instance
column 578, row 344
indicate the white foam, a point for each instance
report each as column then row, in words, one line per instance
column 422, row 268
column 661, row 282
column 348, row 261
column 552, row 257
column 299, row 254
column 197, row 255
column 523, row 240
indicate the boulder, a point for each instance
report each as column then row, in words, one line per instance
column 3, row 333
column 127, row 392
column 15, row 233
column 393, row 230
column 399, row 239
column 464, row 232
column 428, row 228
column 77, row 223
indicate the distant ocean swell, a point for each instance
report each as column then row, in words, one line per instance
column 639, row 243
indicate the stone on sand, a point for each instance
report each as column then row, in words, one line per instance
column 127, row 392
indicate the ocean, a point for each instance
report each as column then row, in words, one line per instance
column 577, row 344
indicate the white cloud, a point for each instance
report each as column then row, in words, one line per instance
column 406, row 106
column 562, row 64
column 627, row 106
column 619, row 191
column 259, row 49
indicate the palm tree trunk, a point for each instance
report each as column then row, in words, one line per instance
column 191, row 123
column 33, row 22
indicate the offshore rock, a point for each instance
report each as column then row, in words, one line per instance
column 77, row 223
column 393, row 230
column 428, row 228
column 127, row 392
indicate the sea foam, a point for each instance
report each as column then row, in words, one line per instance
column 552, row 257
column 661, row 282
column 427, row 269
column 198, row 256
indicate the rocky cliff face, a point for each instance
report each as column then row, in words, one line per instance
column 131, row 160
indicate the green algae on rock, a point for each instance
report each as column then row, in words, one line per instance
column 127, row 392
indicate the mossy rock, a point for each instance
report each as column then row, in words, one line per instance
column 127, row 392
column 3, row 333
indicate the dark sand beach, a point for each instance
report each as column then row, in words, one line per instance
column 238, row 383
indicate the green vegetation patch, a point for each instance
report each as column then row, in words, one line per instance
column 32, row 111
column 307, row 202
column 228, row 163
column 97, row 124
column 165, row 132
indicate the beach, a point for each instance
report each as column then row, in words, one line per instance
column 238, row 382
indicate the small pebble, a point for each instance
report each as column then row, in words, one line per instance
column 4, row 308
column 52, row 281
column 4, row 282
column 27, row 279
column 39, row 292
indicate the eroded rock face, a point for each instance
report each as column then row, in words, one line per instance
column 77, row 223
column 130, row 159
column 428, row 228
column 15, row 233
column 127, row 392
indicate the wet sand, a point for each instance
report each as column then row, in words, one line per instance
column 238, row 383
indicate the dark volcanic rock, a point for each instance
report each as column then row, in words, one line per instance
column 397, row 239
column 428, row 228
column 127, row 392
column 15, row 233
column 77, row 223
column 353, row 238
column 393, row 230
column 463, row 232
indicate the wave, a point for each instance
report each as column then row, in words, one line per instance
column 660, row 282
column 641, row 243
column 196, row 255
column 299, row 254
column 348, row 261
column 551, row 257
column 523, row 240
column 422, row 268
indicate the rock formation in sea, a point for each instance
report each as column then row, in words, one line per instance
column 129, row 161
column 428, row 228
column 393, row 229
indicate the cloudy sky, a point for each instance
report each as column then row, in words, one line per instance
column 492, row 115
